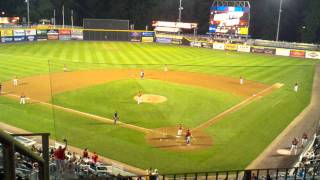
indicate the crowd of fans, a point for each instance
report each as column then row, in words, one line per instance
column 64, row 164
column 310, row 159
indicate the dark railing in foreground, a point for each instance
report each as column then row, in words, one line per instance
column 10, row 146
column 306, row 173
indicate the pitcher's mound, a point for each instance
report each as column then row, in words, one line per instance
column 151, row 98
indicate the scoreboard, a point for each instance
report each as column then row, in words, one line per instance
column 229, row 20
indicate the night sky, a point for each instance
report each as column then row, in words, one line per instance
column 300, row 18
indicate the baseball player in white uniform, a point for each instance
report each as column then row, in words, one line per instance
column 179, row 134
column 166, row 68
column 296, row 87
column 139, row 97
column 15, row 81
column 23, row 99
column 241, row 81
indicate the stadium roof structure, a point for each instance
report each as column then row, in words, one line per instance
column 231, row 3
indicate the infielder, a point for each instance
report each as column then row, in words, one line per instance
column 166, row 68
column 115, row 118
column 188, row 137
column 294, row 146
column 241, row 81
column 65, row 69
column 141, row 74
column 139, row 97
column 23, row 99
column 296, row 87
column 179, row 134
column 0, row 88
column 15, row 81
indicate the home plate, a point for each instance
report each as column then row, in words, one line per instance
column 283, row 152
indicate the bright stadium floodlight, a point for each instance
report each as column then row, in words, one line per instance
column 279, row 20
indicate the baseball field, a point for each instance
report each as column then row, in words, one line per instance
column 74, row 88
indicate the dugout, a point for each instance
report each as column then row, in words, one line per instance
column 106, row 30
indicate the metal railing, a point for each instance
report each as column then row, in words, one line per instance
column 10, row 147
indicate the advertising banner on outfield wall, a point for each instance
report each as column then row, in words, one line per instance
column 298, row 53
column 231, row 47
column 257, row 49
column 31, row 34
column 282, row 52
column 76, row 34
column 195, row 44
column 53, row 34
column 244, row 48
column 19, row 35
column 218, row 46
column 271, row 51
column 148, row 34
column 19, row 32
column 6, row 36
column 147, row 39
column 135, row 36
column 42, row 35
column 312, row 55
column 6, row 33
column 163, row 40
column 6, row 39
column 19, row 38
column 206, row 45
column 176, row 41
column 64, row 34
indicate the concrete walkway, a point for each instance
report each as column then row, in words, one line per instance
column 307, row 121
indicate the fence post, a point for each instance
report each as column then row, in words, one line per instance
column 9, row 161
column 45, row 149
column 247, row 175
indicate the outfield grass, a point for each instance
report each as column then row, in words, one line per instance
column 186, row 105
column 238, row 138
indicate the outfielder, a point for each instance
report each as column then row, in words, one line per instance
column 0, row 88
column 296, row 87
column 115, row 118
column 23, row 99
column 15, row 81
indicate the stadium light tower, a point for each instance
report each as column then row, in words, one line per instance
column 279, row 20
column 180, row 10
column 28, row 11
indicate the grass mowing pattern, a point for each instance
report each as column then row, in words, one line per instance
column 238, row 139
column 187, row 105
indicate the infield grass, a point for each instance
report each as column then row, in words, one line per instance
column 238, row 138
column 187, row 105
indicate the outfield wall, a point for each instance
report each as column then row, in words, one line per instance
column 29, row 35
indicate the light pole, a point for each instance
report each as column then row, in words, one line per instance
column 28, row 12
column 180, row 10
column 279, row 20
